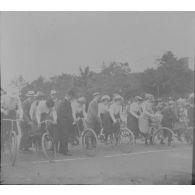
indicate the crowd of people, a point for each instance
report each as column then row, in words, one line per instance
column 103, row 112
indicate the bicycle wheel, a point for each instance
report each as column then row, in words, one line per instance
column 48, row 146
column 13, row 148
column 126, row 140
column 89, row 142
column 162, row 136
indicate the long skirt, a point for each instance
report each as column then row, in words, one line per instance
column 132, row 124
column 107, row 123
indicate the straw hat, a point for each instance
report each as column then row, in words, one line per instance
column 30, row 93
column 118, row 97
column 105, row 97
column 81, row 100
column 138, row 98
column 53, row 92
column 40, row 94
column 95, row 94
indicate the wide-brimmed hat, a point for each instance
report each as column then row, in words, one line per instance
column 171, row 102
column 118, row 97
column 53, row 92
column 30, row 93
column 105, row 97
column 81, row 100
column 40, row 94
column 138, row 98
column 95, row 94
column 149, row 96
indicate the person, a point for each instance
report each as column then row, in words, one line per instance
column 45, row 110
column 26, row 125
column 79, row 112
column 93, row 121
column 116, row 114
column 53, row 95
column 79, row 108
column 146, row 117
column 104, row 115
column 39, row 96
column 11, row 108
column 133, row 115
column 168, row 119
column 65, row 122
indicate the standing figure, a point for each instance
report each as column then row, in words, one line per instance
column 104, row 115
column 79, row 113
column 116, row 114
column 65, row 122
column 26, row 125
column 93, row 121
column 133, row 115
column 146, row 117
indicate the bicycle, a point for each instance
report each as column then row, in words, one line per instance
column 46, row 138
column 124, row 138
column 11, row 141
column 88, row 137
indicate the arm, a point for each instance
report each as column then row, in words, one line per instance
column 111, row 111
column 20, row 110
column 84, row 111
column 73, row 106
column 54, row 115
column 144, row 107
column 38, row 115
column 132, row 111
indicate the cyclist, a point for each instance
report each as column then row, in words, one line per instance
column 146, row 117
column 11, row 108
column 79, row 112
column 26, row 125
column 103, row 113
column 93, row 120
column 46, row 110
column 38, row 97
column 116, row 114
column 65, row 122
column 133, row 115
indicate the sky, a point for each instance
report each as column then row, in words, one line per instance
column 49, row 43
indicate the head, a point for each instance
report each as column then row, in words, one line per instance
column 53, row 94
column 149, row 97
column 171, row 103
column 50, row 103
column 96, row 96
column 105, row 99
column 138, row 99
column 40, row 95
column 81, row 100
column 70, row 95
column 118, row 100
column 30, row 94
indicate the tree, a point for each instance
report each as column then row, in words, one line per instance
column 19, row 83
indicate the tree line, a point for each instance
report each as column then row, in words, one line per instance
column 171, row 77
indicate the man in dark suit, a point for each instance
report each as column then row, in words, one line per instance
column 65, row 122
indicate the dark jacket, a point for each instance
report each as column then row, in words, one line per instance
column 65, row 120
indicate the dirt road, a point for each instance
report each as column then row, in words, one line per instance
column 144, row 165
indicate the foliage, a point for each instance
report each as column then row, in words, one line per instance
column 171, row 77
